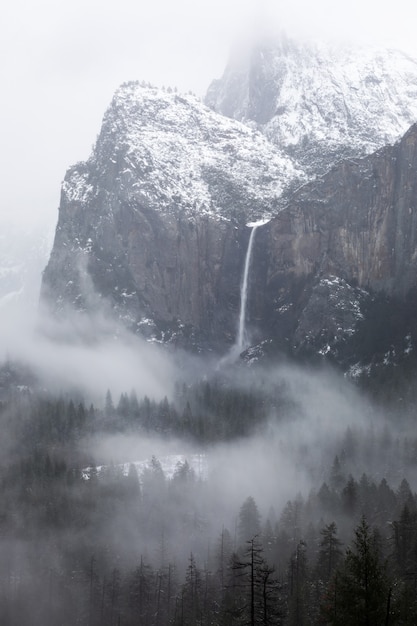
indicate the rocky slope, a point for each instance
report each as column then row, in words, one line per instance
column 320, row 102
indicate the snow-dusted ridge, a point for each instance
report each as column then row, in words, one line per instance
column 320, row 102
column 172, row 152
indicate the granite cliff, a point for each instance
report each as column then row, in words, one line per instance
column 153, row 227
column 344, row 243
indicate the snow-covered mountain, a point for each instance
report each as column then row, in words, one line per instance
column 172, row 153
column 147, row 223
column 320, row 102
column 152, row 228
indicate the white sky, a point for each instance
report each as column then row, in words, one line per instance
column 61, row 62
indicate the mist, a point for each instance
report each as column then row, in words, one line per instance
column 169, row 464
column 124, row 461
column 62, row 66
column 287, row 453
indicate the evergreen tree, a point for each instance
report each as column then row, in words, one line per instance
column 337, row 479
column 249, row 524
column 349, row 496
column 141, row 594
column 330, row 554
column 258, row 600
column 108, row 404
column 405, row 561
column 190, row 610
column 298, row 587
column 359, row 593
column 223, row 555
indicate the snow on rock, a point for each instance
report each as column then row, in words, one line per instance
column 320, row 102
column 171, row 151
column 149, row 225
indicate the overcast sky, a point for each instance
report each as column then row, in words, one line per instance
column 61, row 63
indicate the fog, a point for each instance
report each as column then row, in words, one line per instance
column 62, row 64
column 272, row 433
column 86, row 353
column 93, row 494
column 287, row 454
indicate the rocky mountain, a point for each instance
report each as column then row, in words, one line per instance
column 149, row 225
column 320, row 102
column 153, row 227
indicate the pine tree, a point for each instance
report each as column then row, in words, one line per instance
column 337, row 479
column 330, row 554
column 349, row 496
column 256, row 594
column 108, row 404
column 359, row 593
column 191, row 599
column 249, row 520
column 224, row 552
column 405, row 561
column 298, row 587
column 141, row 594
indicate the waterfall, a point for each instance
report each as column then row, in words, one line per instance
column 242, row 339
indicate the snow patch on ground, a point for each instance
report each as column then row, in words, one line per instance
column 170, row 464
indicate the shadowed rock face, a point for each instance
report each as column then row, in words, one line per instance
column 358, row 222
column 345, row 236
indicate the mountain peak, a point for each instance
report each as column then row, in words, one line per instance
column 320, row 102
column 171, row 152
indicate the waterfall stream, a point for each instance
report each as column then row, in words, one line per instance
column 242, row 340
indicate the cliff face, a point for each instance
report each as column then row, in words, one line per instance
column 153, row 230
column 341, row 240
column 152, row 226
column 358, row 221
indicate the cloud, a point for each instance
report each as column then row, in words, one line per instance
column 86, row 353
column 291, row 454
column 62, row 63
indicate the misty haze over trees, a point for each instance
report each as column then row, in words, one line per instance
column 213, row 425
column 282, row 508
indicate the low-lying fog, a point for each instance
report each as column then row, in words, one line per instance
column 289, row 453
column 102, row 490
